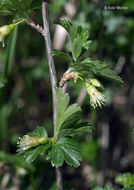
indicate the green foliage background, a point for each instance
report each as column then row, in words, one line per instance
column 25, row 100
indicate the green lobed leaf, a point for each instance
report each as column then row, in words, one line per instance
column 31, row 155
column 71, row 120
column 48, row 154
column 57, row 155
column 109, row 74
column 76, row 47
column 88, row 68
column 39, row 132
column 63, row 55
column 64, row 112
column 78, row 37
column 65, row 24
column 86, row 44
column 66, row 132
column 21, row 8
column 82, row 129
column 72, row 153
column 76, row 128
column 66, row 149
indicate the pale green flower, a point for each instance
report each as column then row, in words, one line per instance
column 27, row 142
column 96, row 97
column 6, row 29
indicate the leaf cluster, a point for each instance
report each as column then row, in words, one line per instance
column 62, row 147
column 22, row 8
column 90, row 68
column 78, row 37
column 80, row 43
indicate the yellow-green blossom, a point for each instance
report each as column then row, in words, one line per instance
column 6, row 29
column 96, row 97
column 27, row 142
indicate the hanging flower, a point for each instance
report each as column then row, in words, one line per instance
column 96, row 97
column 6, row 29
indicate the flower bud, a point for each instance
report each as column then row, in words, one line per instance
column 96, row 83
column 27, row 142
column 96, row 97
column 4, row 31
column 43, row 140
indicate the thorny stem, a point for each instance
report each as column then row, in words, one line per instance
column 52, row 75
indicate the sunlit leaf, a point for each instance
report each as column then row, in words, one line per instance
column 39, row 132
column 72, row 153
column 57, row 155
column 64, row 112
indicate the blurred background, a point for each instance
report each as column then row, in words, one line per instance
column 26, row 101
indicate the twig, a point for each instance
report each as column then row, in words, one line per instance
column 52, row 75
column 66, row 77
column 35, row 26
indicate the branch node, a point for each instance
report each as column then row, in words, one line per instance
column 37, row 27
column 66, row 77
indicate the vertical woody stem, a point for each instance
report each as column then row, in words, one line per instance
column 52, row 75
column 59, row 178
column 49, row 56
